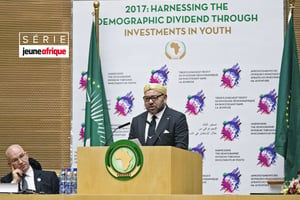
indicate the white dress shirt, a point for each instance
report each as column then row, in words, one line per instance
column 149, row 118
column 30, row 179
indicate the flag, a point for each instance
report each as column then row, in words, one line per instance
column 97, row 121
column 287, row 137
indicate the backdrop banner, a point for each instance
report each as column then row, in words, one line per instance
column 219, row 60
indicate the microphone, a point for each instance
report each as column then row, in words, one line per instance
column 121, row 126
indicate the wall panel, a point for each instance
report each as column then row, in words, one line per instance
column 35, row 93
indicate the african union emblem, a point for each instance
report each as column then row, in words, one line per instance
column 124, row 160
column 175, row 49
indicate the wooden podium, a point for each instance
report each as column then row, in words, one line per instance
column 166, row 170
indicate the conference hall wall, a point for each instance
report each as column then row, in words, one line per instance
column 35, row 92
column 221, row 71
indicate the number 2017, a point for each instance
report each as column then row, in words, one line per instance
column 136, row 8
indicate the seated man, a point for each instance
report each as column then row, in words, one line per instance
column 39, row 181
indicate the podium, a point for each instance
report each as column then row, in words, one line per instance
column 166, row 170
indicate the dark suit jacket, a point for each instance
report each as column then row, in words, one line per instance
column 45, row 181
column 172, row 129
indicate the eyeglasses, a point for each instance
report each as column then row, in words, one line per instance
column 21, row 156
column 153, row 98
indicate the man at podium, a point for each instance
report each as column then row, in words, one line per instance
column 159, row 125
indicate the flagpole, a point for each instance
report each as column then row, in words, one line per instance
column 96, row 11
column 291, row 9
column 292, row 4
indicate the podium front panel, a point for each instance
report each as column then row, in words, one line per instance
column 166, row 170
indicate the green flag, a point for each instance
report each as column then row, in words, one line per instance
column 97, row 122
column 287, row 139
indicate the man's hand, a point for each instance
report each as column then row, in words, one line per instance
column 17, row 174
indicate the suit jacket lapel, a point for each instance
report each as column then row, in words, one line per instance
column 163, row 124
column 141, row 132
column 37, row 180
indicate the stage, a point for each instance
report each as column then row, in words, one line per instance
column 145, row 197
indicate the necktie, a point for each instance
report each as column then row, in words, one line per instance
column 151, row 130
column 24, row 183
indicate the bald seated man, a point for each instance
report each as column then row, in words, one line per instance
column 170, row 127
column 39, row 181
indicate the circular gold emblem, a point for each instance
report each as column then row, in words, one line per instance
column 124, row 159
column 175, row 50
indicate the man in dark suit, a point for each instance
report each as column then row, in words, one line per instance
column 29, row 179
column 159, row 125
